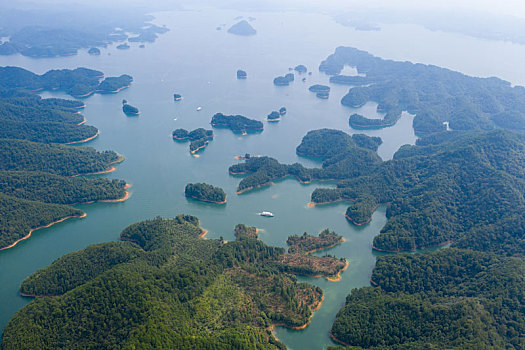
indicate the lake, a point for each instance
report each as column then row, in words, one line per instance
column 200, row 63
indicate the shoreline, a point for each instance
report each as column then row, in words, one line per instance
column 314, row 309
column 411, row 250
column 206, row 200
column 313, row 204
column 341, row 241
column 83, row 121
column 338, row 341
column 338, row 277
column 85, row 140
column 365, row 222
column 83, row 215
column 110, row 170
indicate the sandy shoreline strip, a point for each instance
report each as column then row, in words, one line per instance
column 85, row 140
column 338, row 276
column 44, row 226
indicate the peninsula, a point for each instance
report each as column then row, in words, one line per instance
column 155, row 259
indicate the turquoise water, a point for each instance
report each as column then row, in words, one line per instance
column 200, row 63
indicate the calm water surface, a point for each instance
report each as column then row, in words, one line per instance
column 200, row 62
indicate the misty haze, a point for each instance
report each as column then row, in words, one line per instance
column 262, row 174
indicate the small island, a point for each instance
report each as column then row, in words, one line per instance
column 243, row 231
column 177, row 97
column 129, row 110
column 319, row 88
column 284, row 80
column 236, row 123
column 307, row 244
column 199, row 138
column 274, row 116
column 242, row 28
column 123, row 46
column 282, row 111
column 322, row 95
column 241, row 74
column 301, row 69
column 206, row 193
column 315, row 266
column 94, row 51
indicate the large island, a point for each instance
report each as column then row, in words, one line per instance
column 236, row 123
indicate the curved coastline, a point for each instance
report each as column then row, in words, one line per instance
column 85, row 140
column 40, row 227
column 206, row 200
column 341, row 241
column 411, row 250
column 337, row 277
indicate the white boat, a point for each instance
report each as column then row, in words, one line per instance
column 199, row 108
column 266, row 213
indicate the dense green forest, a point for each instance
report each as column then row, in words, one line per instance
column 236, row 123
column 19, row 216
column 79, row 82
column 199, row 137
column 55, row 159
column 464, row 188
column 306, row 243
column 205, row 192
column 36, row 174
column 51, row 188
column 241, row 230
column 343, row 156
column 435, row 95
column 130, row 110
column 26, row 116
column 163, row 287
column 453, row 299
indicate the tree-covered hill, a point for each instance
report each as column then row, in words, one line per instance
column 453, row 299
column 51, row 158
column 163, row 287
column 434, row 94
column 461, row 188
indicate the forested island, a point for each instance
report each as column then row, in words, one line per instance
column 51, row 33
column 79, row 82
column 307, row 244
column 129, row 110
column 242, row 28
column 241, row 74
column 123, row 46
column 196, row 292
column 284, row 80
column 94, row 51
column 319, row 88
column 300, row 68
column 205, row 192
column 274, row 116
column 199, row 138
column 236, row 123
column 344, row 156
column 435, row 95
column 177, row 97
